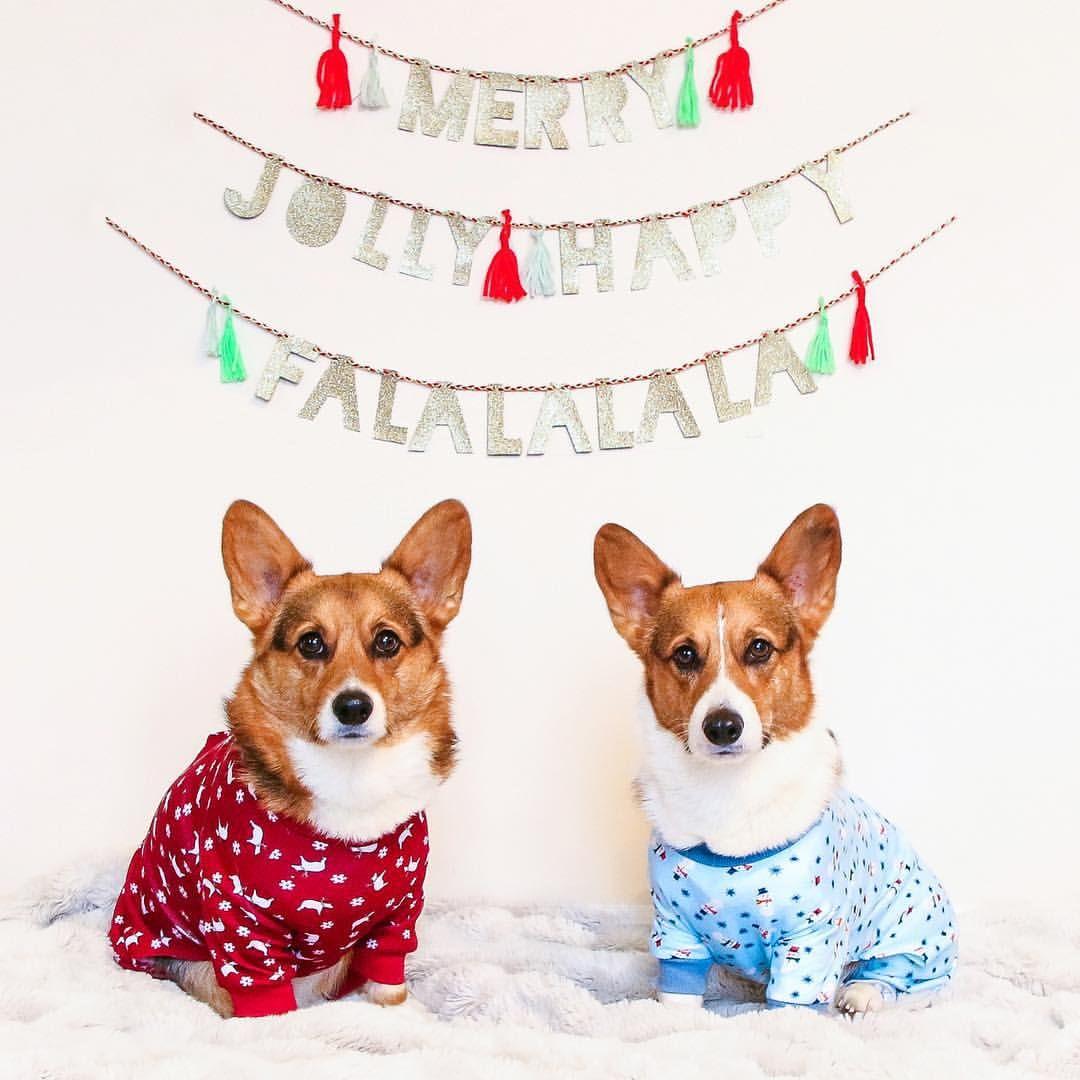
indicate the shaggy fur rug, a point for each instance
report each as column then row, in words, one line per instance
column 525, row 993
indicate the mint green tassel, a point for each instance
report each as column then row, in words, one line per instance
column 687, row 111
column 819, row 357
column 232, row 363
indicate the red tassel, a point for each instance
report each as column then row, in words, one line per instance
column 731, row 87
column 502, row 281
column 862, row 336
column 332, row 74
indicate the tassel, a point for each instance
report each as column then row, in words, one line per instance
column 538, row 276
column 332, row 74
column 371, row 94
column 502, row 281
column 819, row 357
column 862, row 336
column 212, row 333
column 731, row 87
column 687, row 112
column 232, row 363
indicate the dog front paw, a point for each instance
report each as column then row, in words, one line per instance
column 856, row 998
column 385, row 993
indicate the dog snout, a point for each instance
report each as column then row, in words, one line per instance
column 353, row 707
column 723, row 727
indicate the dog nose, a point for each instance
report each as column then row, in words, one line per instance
column 352, row 707
column 723, row 727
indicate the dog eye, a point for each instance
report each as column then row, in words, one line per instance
column 685, row 657
column 387, row 643
column 311, row 646
column 758, row 651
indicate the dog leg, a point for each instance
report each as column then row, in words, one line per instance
column 197, row 978
column 385, row 993
column 856, row 998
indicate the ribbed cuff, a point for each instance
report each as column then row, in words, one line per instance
column 378, row 966
column 265, row 1001
column 684, row 976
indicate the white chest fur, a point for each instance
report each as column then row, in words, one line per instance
column 362, row 792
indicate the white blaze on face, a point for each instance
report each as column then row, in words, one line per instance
column 724, row 694
column 330, row 728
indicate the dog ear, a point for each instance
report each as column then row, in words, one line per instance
column 260, row 560
column 805, row 561
column 434, row 557
column 632, row 578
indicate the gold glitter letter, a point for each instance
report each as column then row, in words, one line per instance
column 656, row 242
column 652, row 82
column 489, row 108
column 767, row 207
column 546, row 103
column 610, row 438
column 726, row 409
column 441, row 408
column 830, row 178
column 498, row 445
column 665, row 396
column 366, row 252
column 605, row 96
column 315, row 213
column 713, row 227
column 467, row 235
column 775, row 354
column 558, row 410
column 414, row 245
column 236, row 204
column 599, row 255
column 338, row 381
column 419, row 103
column 385, row 428
column 280, row 367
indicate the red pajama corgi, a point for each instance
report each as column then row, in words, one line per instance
column 287, row 862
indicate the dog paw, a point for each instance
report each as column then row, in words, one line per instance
column 385, row 994
column 681, row 1001
column 856, row 998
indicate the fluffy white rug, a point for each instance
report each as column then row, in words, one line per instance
column 525, row 993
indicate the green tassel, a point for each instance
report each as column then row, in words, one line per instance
column 819, row 357
column 687, row 112
column 232, row 363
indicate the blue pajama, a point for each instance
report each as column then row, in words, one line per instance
column 848, row 900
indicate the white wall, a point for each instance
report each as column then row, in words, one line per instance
column 949, row 665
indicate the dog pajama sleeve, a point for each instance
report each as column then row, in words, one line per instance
column 684, row 958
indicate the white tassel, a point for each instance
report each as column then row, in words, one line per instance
column 537, row 275
column 371, row 95
column 212, row 333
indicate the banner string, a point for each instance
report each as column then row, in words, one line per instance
column 530, row 388
column 667, row 215
column 622, row 69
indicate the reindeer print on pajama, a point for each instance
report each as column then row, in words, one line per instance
column 847, row 901
column 263, row 897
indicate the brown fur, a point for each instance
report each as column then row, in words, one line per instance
column 786, row 603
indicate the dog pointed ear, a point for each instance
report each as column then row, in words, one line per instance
column 260, row 561
column 434, row 558
column 633, row 578
column 805, row 561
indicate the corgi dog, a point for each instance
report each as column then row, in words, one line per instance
column 286, row 864
column 760, row 860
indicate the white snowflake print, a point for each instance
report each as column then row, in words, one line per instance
column 371, row 943
column 229, row 947
column 225, row 905
column 286, row 884
column 208, row 844
column 406, row 934
column 243, row 931
column 216, row 878
column 383, row 852
column 337, row 879
column 160, row 894
column 319, row 845
column 400, row 861
column 119, row 920
column 328, row 925
column 356, row 901
column 133, row 888
column 239, row 795
column 187, row 809
column 245, row 980
column 276, row 853
column 236, row 847
column 268, row 962
column 271, row 815
column 219, row 791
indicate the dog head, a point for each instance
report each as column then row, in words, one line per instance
column 346, row 664
column 725, row 664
